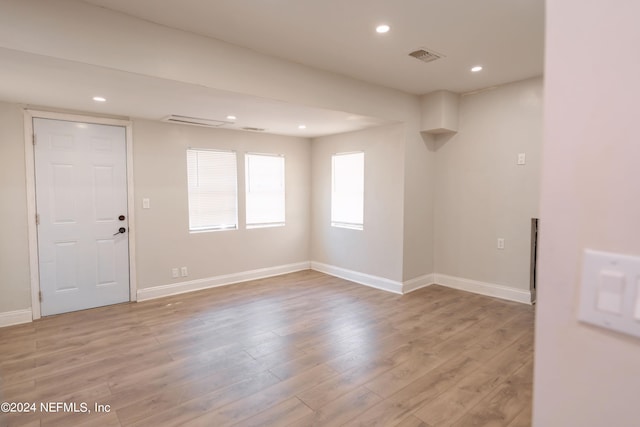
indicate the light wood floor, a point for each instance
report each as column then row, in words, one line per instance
column 302, row 349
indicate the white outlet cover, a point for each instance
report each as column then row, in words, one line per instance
column 610, row 291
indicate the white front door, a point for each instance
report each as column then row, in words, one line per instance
column 81, row 202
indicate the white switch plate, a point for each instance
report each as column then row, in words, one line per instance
column 636, row 313
column 500, row 243
column 522, row 158
column 611, row 286
column 184, row 272
column 610, row 291
column 174, row 273
column 146, row 204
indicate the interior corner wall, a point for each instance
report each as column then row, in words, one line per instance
column 590, row 199
column 162, row 232
column 481, row 194
column 376, row 250
column 419, row 181
column 15, row 284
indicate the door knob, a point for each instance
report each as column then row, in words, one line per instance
column 121, row 230
column 121, row 217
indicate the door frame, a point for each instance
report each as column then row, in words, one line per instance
column 34, row 266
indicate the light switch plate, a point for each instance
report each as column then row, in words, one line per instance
column 609, row 295
column 636, row 313
column 522, row 158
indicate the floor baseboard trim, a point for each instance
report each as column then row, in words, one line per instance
column 357, row 277
column 17, row 317
column 154, row 292
column 482, row 288
column 418, row 283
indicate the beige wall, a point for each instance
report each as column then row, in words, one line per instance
column 412, row 186
column 162, row 232
column 376, row 250
column 162, row 236
column 584, row 375
column 15, row 293
column 481, row 194
column 419, row 186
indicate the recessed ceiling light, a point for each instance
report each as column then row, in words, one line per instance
column 476, row 69
column 384, row 28
column 99, row 99
column 302, row 127
column 231, row 117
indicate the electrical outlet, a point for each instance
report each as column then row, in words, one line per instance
column 522, row 158
column 146, row 204
column 174, row 273
column 184, row 272
column 500, row 243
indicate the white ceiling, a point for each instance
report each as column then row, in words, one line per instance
column 44, row 81
column 506, row 37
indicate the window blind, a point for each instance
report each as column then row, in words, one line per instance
column 213, row 190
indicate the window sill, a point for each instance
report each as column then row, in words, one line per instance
column 359, row 227
column 209, row 230
column 254, row 226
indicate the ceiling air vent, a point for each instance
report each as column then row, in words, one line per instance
column 186, row 120
column 425, row 55
column 253, row 129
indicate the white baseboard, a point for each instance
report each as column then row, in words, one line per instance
column 489, row 289
column 357, row 277
column 145, row 294
column 16, row 317
column 418, row 283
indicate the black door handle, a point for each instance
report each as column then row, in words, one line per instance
column 121, row 230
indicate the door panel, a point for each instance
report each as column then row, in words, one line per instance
column 81, row 190
column 66, row 266
column 104, row 194
column 62, row 195
column 106, row 262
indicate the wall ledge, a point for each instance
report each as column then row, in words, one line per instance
column 154, row 292
column 17, row 317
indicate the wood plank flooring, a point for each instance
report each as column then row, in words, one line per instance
column 303, row 349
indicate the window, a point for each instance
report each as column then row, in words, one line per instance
column 213, row 190
column 265, row 190
column 347, row 190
